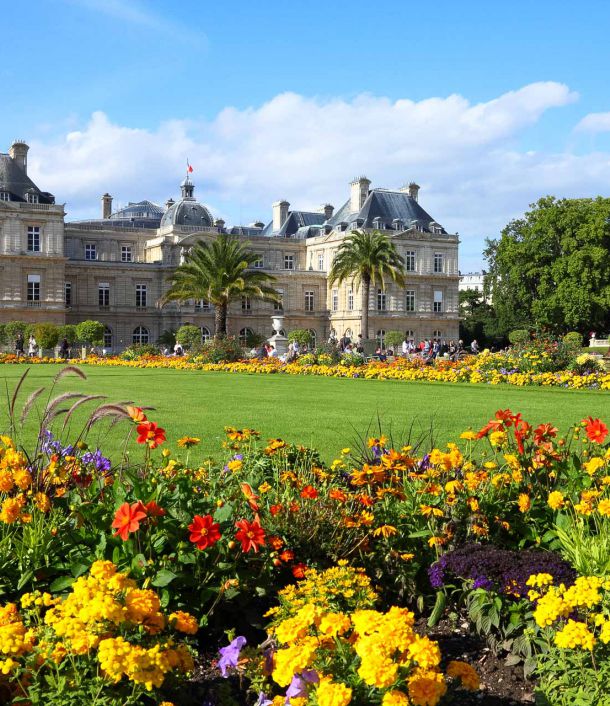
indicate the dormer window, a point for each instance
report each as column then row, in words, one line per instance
column 417, row 226
column 397, row 223
column 32, row 197
column 5, row 196
column 377, row 223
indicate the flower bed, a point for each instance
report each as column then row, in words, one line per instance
column 112, row 573
column 490, row 369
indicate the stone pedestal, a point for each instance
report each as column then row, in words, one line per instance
column 278, row 340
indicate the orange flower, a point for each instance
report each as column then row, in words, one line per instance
column 275, row 509
column 287, row 555
column 337, row 495
column 276, row 542
column 524, row 502
column 250, row 496
column 187, row 441
column 136, row 413
column 151, row 434
column 298, row 571
column 596, row 430
column 250, row 534
column 127, row 519
column 154, row 510
column 204, row 531
column 309, row 492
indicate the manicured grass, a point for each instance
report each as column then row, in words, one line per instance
column 326, row 413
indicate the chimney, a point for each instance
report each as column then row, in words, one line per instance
column 169, row 203
column 19, row 153
column 280, row 213
column 414, row 191
column 328, row 209
column 106, row 206
column 359, row 190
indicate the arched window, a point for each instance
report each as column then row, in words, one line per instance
column 107, row 337
column 314, row 337
column 244, row 335
column 380, row 338
column 140, row 335
column 410, row 335
column 205, row 334
column 437, row 334
column 348, row 333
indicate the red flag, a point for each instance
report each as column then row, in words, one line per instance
column 189, row 169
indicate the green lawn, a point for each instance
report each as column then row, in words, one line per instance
column 323, row 412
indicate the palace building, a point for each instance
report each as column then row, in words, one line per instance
column 114, row 269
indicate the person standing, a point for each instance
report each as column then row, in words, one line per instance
column 64, row 349
column 19, row 345
column 32, row 346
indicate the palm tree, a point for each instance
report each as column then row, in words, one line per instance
column 219, row 272
column 369, row 258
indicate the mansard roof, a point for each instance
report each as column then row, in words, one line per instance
column 139, row 209
column 17, row 183
column 295, row 221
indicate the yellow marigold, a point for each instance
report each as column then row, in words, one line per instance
column 11, row 509
column 6, row 481
column 603, row 507
column 524, row 502
column 593, row 465
column 378, row 670
column 497, row 438
column 426, row 688
column 22, row 478
column 184, row 622
column 333, row 624
column 465, row 673
column 555, row 500
column 395, row 698
column 425, row 652
column 575, row 634
column 102, row 569
column 42, row 502
column 331, row 693
column 293, row 659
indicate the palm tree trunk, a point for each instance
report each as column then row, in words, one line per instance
column 220, row 320
column 366, row 291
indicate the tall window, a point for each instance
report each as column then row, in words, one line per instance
column 90, row 251
column 245, row 335
column 350, row 299
column 5, row 196
column 103, row 294
column 410, row 261
column 33, row 238
column 279, row 305
column 438, row 262
column 67, row 294
column 380, row 338
column 410, row 300
column 437, row 307
column 107, row 337
column 437, row 334
column 246, row 304
column 335, row 300
column 410, row 335
column 141, row 295
column 308, row 301
column 140, row 335
column 259, row 264
column 126, row 253
column 33, row 288
column 202, row 305
column 205, row 334
column 320, row 260
column 314, row 337
column 381, row 300
column 289, row 262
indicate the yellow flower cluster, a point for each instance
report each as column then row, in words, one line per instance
column 96, row 620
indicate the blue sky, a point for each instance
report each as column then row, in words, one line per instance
column 487, row 105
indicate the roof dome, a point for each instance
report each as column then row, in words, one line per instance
column 187, row 212
column 141, row 209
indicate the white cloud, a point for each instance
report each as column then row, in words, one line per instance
column 473, row 177
column 594, row 122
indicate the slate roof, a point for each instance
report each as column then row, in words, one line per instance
column 139, row 209
column 295, row 221
column 248, row 231
column 187, row 212
column 387, row 206
column 14, row 180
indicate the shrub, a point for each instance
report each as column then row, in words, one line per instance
column 67, row 331
column 306, row 359
column 46, row 336
column 137, row 351
column 519, row 335
column 301, row 336
column 219, row 350
column 189, row 336
column 352, row 359
column 14, row 328
column 573, row 338
column 90, row 332
column 394, row 339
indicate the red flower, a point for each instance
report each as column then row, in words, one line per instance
column 275, row 509
column 250, row 534
column 543, row 432
column 287, row 555
column 127, row 519
column 298, row 571
column 204, row 531
column 309, row 492
column 505, row 416
column 151, row 434
column 596, row 430
column 154, row 510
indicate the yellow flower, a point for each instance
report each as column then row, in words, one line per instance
column 593, row 465
column 575, row 634
column 331, row 693
column 395, row 698
column 555, row 500
column 385, row 531
column 465, row 673
column 524, row 502
column 603, row 507
column 187, row 441
column 469, row 435
column 426, row 688
column 264, row 488
column 184, row 622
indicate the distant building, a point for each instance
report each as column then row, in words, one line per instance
column 114, row 269
column 474, row 281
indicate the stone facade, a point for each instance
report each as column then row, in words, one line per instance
column 115, row 269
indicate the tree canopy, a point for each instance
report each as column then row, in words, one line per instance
column 551, row 268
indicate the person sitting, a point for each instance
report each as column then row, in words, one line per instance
column 380, row 354
column 474, row 346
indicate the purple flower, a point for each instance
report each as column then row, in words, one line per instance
column 298, row 685
column 263, row 700
column 101, row 463
column 229, row 655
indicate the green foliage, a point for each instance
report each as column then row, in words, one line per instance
column 140, row 350
column 46, row 335
column 3, row 336
column 90, row 332
column 301, row 335
column 220, row 350
column 370, row 259
column 573, row 338
column 189, row 336
column 552, row 267
column 220, row 272
column 519, row 335
column 394, row 339
column 584, row 542
column 352, row 359
column 14, row 328
column 67, row 331
column 477, row 319
column 167, row 338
